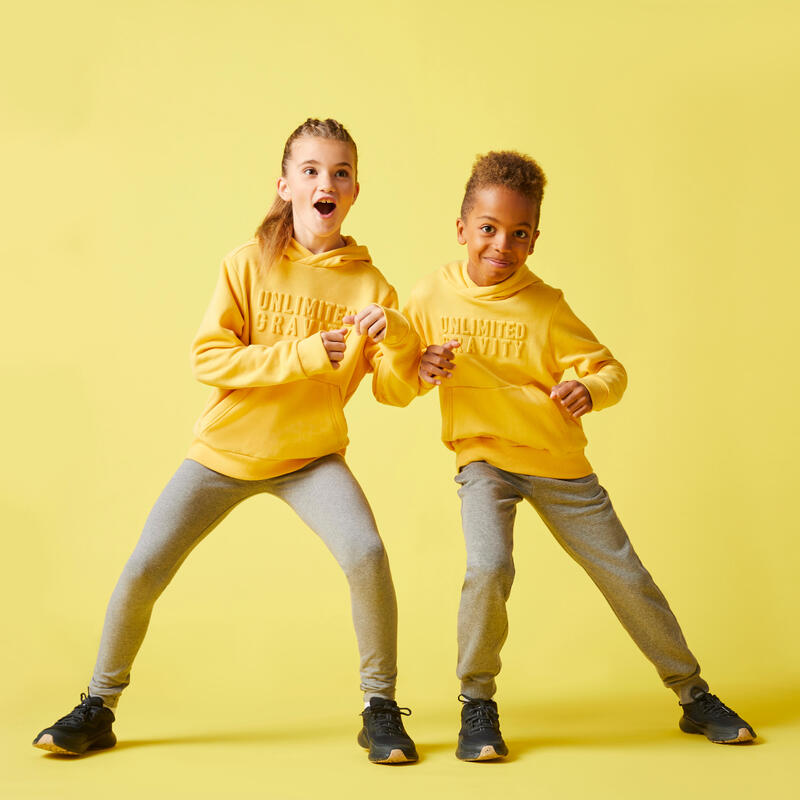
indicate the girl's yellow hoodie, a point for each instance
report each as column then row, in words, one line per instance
column 517, row 339
column 278, row 401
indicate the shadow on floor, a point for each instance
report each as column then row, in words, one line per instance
column 620, row 720
column 558, row 722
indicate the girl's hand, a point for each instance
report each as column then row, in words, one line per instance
column 334, row 345
column 573, row 397
column 370, row 320
column 437, row 362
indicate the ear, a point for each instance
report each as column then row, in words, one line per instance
column 460, row 231
column 355, row 193
column 283, row 190
column 533, row 241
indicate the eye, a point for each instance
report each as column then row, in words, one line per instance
column 342, row 173
column 521, row 234
column 487, row 228
column 309, row 171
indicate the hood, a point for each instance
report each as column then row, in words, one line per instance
column 456, row 275
column 331, row 258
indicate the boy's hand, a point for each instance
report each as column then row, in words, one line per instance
column 437, row 362
column 334, row 345
column 370, row 320
column 573, row 397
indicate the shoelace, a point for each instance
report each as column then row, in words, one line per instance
column 711, row 705
column 387, row 718
column 80, row 714
column 481, row 715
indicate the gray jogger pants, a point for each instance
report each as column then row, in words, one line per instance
column 579, row 514
column 327, row 498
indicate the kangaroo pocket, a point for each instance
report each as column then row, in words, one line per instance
column 523, row 414
column 302, row 419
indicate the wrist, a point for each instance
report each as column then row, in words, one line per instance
column 313, row 355
column 397, row 327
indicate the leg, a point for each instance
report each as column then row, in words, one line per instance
column 194, row 501
column 489, row 498
column 580, row 515
column 327, row 497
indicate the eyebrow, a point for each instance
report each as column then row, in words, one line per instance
column 340, row 164
column 521, row 224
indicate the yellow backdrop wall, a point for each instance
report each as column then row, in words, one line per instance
column 142, row 141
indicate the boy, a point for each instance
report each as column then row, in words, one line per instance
column 515, row 427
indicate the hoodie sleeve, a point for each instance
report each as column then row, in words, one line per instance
column 413, row 315
column 220, row 356
column 395, row 359
column 574, row 345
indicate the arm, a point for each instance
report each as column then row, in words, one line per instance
column 600, row 375
column 433, row 359
column 392, row 350
column 220, row 357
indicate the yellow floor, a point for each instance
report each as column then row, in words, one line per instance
column 615, row 747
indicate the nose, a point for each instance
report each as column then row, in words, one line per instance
column 502, row 242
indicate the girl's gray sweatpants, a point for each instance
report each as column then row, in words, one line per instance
column 325, row 496
column 579, row 514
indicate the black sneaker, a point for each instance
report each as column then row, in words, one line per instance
column 86, row 727
column 708, row 715
column 383, row 733
column 479, row 738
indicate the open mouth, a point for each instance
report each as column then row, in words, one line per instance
column 325, row 207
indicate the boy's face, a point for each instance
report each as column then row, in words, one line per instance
column 499, row 232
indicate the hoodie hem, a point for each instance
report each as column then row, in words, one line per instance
column 518, row 458
column 245, row 468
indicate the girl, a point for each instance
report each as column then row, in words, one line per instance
column 274, row 347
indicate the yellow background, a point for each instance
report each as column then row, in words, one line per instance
column 141, row 142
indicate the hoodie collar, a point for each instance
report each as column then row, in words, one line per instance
column 456, row 274
column 330, row 258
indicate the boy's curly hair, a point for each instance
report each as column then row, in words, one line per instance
column 505, row 168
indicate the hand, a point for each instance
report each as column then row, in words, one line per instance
column 437, row 362
column 370, row 320
column 573, row 397
column 334, row 344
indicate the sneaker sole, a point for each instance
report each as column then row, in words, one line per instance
column 743, row 735
column 487, row 753
column 45, row 742
column 396, row 756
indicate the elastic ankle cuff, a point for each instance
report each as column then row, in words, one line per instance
column 684, row 692
column 476, row 692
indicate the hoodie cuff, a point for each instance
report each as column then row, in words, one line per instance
column 313, row 356
column 397, row 327
column 598, row 391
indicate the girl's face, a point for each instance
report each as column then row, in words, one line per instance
column 499, row 232
column 320, row 182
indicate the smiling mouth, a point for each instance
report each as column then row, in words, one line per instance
column 325, row 207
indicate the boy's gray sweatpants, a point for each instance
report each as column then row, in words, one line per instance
column 327, row 498
column 579, row 514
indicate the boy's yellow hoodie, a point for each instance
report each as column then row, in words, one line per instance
column 278, row 401
column 517, row 339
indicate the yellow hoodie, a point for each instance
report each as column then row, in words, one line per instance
column 517, row 339
column 278, row 401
